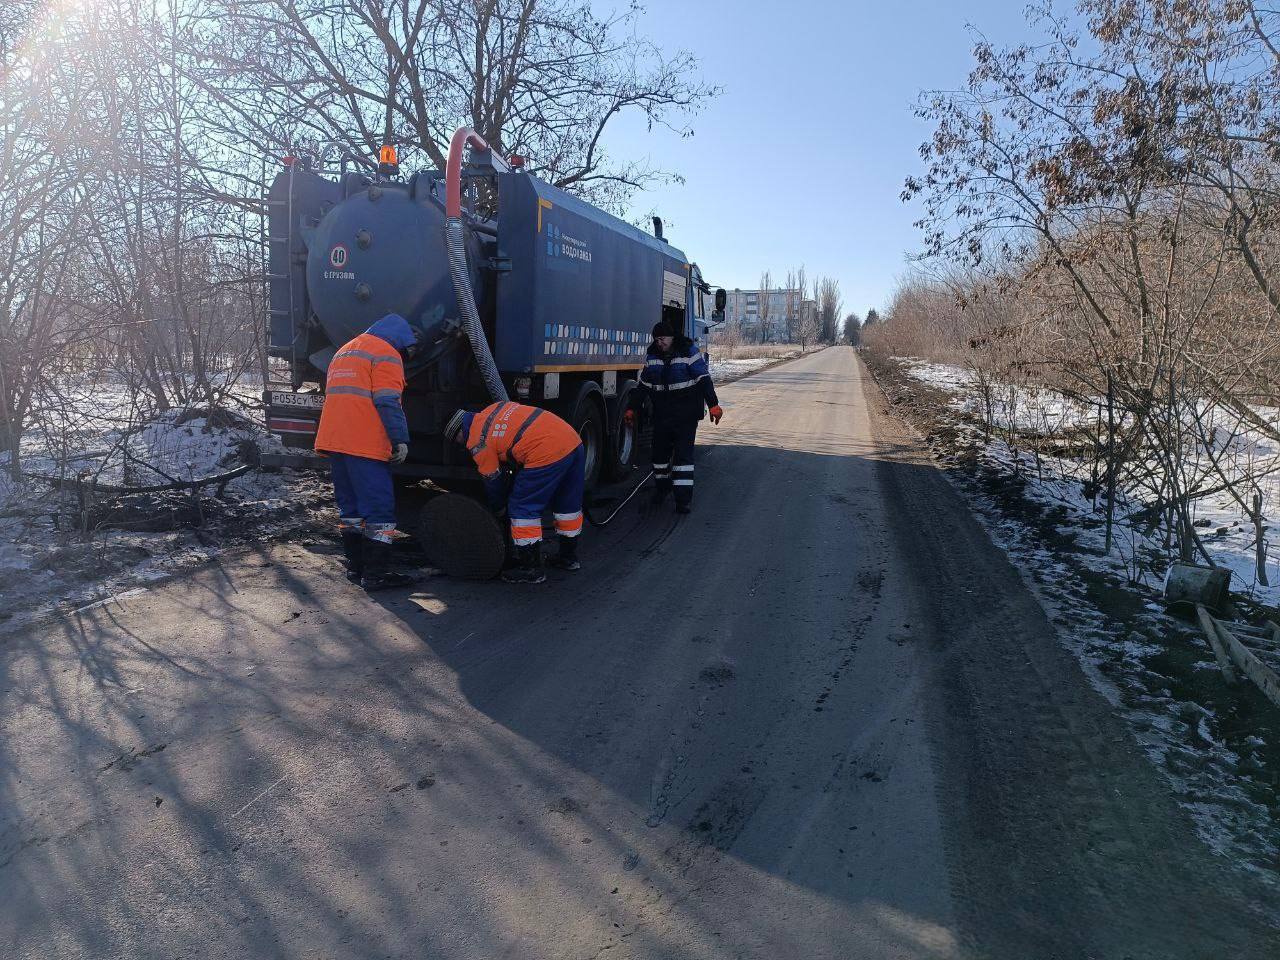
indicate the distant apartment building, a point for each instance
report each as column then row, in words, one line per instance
column 765, row 316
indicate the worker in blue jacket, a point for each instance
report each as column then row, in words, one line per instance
column 678, row 384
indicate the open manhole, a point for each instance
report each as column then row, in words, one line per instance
column 462, row 538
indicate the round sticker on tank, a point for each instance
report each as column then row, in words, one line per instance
column 338, row 256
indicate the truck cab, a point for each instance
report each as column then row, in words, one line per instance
column 704, row 312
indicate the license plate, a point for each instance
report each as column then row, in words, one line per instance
column 307, row 401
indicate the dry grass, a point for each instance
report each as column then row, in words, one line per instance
column 757, row 351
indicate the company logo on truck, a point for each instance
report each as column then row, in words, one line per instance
column 560, row 244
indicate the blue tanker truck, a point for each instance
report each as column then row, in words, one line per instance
column 517, row 290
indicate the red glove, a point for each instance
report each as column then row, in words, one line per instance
column 716, row 414
column 629, row 417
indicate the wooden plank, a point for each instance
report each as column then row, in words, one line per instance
column 1263, row 643
column 1268, row 655
column 1247, row 628
column 1269, row 662
column 1256, row 643
column 1263, row 676
column 1219, row 651
column 1256, row 638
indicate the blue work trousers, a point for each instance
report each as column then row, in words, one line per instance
column 366, row 497
column 558, row 486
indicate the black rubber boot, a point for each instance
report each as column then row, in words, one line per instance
column 377, row 568
column 684, row 508
column 353, row 547
column 528, row 568
column 660, row 493
column 567, row 558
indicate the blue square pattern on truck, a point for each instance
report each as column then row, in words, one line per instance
column 584, row 288
column 563, row 340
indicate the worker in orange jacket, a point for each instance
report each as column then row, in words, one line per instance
column 363, row 431
column 547, row 457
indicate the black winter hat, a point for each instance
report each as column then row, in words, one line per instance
column 453, row 429
column 662, row 329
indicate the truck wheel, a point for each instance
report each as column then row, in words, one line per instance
column 623, row 441
column 588, row 419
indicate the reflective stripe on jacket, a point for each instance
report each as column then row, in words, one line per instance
column 512, row 433
column 366, row 371
column 677, row 383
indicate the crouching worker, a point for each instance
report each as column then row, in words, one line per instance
column 363, row 431
column 549, row 466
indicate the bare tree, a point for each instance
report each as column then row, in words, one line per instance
column 809, row 328
column 791, row 307
column 44, row 199
column 802, row 295
column 135, row 141
column 829, row 303
column 764, row 309
column 1109, row 204
column 729, row 334
column 539, row 79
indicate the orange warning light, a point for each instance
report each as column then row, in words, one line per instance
column 387, row 156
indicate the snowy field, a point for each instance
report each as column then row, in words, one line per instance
column 70, row 534
column 723, row 371
column 726, row 371
column 1222, row 523
column 1218, row 746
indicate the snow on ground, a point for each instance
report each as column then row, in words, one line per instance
column 944, row 376
column 1218, row 746
column 1222, row 523
column 1011, row 407
column 1226, row 531
column 1216, row 762
column 726, row 371
column 722, row 371
column 66, row 546
column 97, row 424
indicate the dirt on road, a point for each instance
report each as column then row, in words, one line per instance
column 822, row 717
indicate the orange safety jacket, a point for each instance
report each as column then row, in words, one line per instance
column 511, row 433
column 366, row 369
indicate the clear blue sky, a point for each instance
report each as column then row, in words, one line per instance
column 802, row 158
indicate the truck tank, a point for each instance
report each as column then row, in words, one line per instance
column 381, row 251
column 566, row 296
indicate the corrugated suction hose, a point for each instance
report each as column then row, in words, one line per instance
column 455, row 242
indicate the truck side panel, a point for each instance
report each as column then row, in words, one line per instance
column 584, row 288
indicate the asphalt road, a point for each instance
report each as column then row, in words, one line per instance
column 820, row 718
